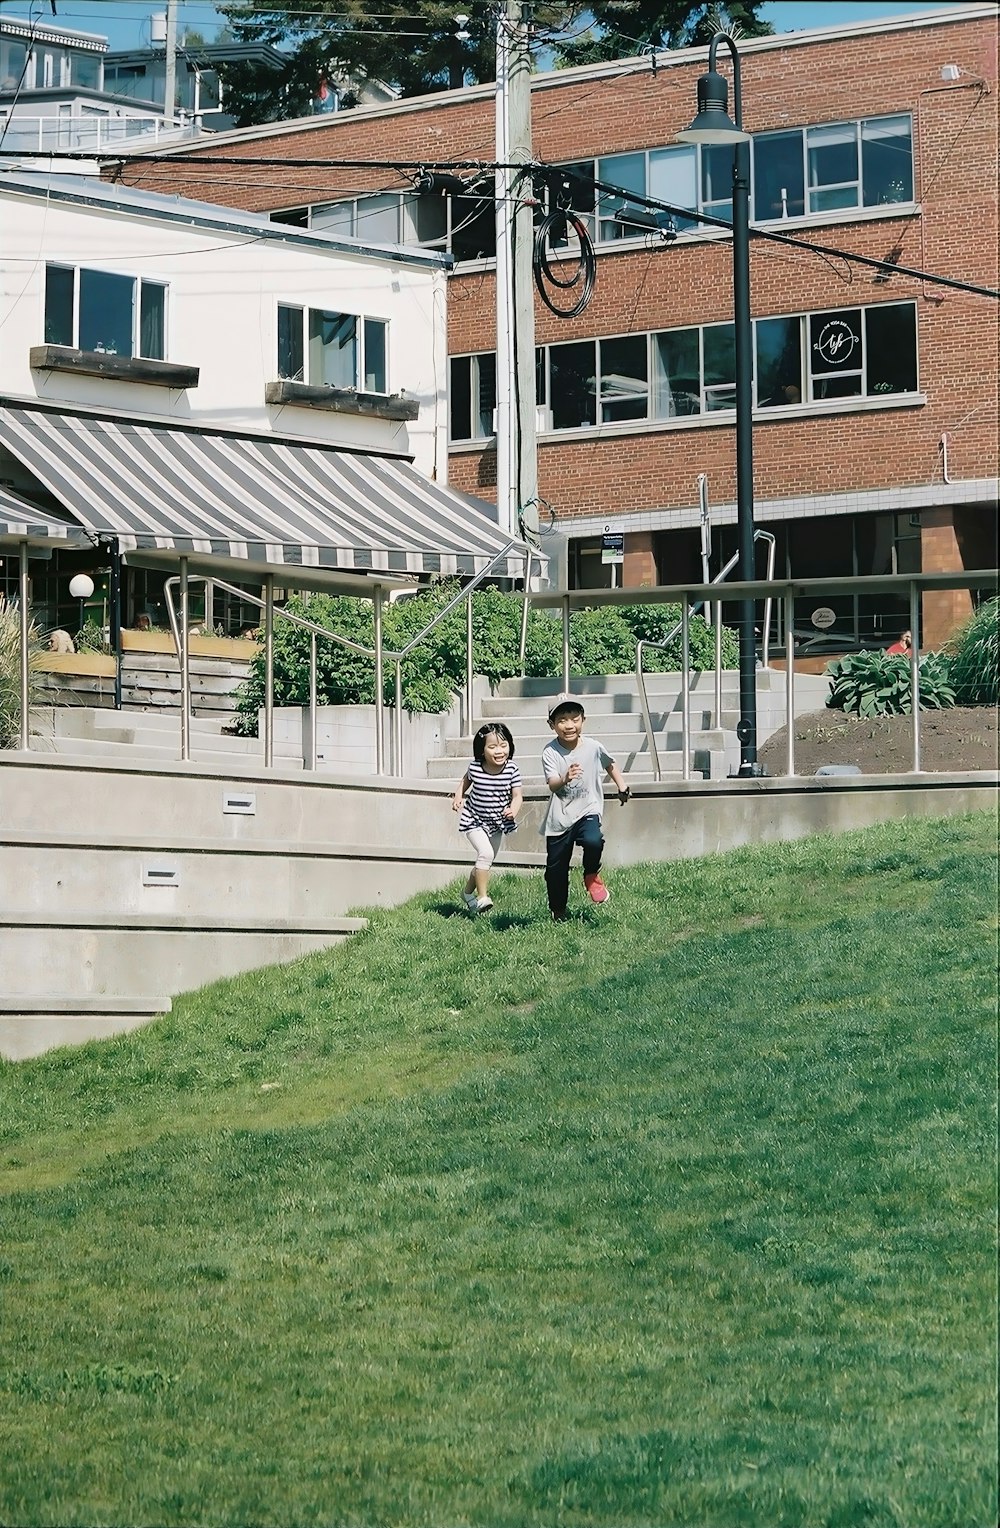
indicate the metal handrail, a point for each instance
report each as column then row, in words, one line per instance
column 378, row 653
column 683, row 627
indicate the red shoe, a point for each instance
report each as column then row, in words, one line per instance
column 596, row 889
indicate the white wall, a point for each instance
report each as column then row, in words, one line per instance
column 224, row 288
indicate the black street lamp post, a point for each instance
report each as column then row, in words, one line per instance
column 713, row 125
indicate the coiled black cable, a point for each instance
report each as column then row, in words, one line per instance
column 583, row 270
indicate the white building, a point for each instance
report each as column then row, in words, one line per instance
column 181, row 375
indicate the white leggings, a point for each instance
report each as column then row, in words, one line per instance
column 485, row 845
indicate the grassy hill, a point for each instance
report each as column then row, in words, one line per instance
column 680, row 1213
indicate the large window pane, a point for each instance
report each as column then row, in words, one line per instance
column 378, row 219
column 573, row 384
column 778, row 176
column 85, row 71
column 891, row 348
column 835, row 353
column 152, row 316
column 887, row 160
column 778, row 367
column 460, row 398
column 106, row 312
column 486, row 393
column 833, row 166
column 335, row 217
column 673, row 177
column 59, row 284
column 290, row 353
column 333, row 349
column 473, row 223
column 717, row 180
column 629, row 172
column 376, row 330
column 425, row 220
column 720, row 366
column 676, row 374
column 624, row 378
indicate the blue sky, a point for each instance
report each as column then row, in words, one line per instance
column 126, row 22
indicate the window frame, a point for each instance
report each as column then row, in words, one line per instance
column 142, row 288
column 363, row 322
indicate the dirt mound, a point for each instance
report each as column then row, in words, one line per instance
column 960, row 738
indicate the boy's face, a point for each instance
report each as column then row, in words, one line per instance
column 568, row 727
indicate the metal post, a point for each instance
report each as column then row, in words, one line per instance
column 22, row 552
column 115, row 592
column 565, row 642
column 790, row 681
column 718, row 663
column 915, row 672
column 469, row 669
column 185, row 664
column 268, row 671
column 524, row 610
column 397, row 723
column 379, row 703
column 311, row 761
column 746, row 729
column 685, row 690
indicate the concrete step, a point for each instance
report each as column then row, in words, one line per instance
column 113, row 742
column 158, row 879
column 99, row 954
column 634, row 762
column 31, row 1024
column 619, row 734
column 590, row 687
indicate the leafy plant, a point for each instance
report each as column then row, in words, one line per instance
column 10, row 671
column 91, row 638
column 975, row 658
column 660, row 623
column 878, row 684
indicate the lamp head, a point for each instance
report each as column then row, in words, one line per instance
column 713, row 123
column 81, row 586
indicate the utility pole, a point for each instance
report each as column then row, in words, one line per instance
column 170, row 77
column 517, row 465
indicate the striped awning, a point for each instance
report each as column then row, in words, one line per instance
column 21, row 521
column 265, row 501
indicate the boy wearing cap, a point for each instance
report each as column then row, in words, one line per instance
column 573, row 766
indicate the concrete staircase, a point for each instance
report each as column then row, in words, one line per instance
column 614, row 716
column 85, row 732
column 125, row 880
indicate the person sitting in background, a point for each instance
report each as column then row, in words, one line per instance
column 143, row 623
column 902, row 647
column 61, row 642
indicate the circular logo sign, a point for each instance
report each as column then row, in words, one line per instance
column 823, row 618
column 836, row 342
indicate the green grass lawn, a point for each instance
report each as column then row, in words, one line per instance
column 680, row 1213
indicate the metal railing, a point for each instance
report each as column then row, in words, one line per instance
column 86, row 134
column 180, row 630
column 683, row 627
column 788, row 591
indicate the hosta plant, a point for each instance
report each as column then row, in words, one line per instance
column 878, row 684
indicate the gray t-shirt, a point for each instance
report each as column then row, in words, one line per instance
column 580, row 797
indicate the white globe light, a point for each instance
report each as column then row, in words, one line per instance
column 81, row 586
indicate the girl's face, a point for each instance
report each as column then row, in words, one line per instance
column 496, row 750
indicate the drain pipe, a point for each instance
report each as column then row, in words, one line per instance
column 943, row 448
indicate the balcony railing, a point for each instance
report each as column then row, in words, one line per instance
column 89, row 134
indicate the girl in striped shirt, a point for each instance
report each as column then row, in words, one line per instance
column 489, row 797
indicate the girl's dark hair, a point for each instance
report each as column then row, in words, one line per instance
column 479, row 741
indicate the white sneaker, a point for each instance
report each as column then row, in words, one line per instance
column 471, row 901
column 484, row 904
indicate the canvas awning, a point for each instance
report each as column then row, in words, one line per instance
column 21, row 521
column 267, row 502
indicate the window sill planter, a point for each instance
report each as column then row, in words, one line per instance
column 342, row 400
column 100, row 363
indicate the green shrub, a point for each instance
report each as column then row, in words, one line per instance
column 975, row 658
column 10, row 671
column 878, row 684
column 91, row 639
column 656, row 623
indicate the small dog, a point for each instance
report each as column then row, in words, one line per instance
column 61, row 642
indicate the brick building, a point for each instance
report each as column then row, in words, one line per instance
column 876, row 393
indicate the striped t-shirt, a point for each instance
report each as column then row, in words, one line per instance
column 487, row 798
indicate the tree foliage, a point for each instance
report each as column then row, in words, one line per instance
column 414, row 48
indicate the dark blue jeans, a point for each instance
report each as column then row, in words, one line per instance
column 559, row 851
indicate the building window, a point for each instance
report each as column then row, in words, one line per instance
column 832, row 167
column 330, row 349
column 464, row 225
column 105, row 312
column 473, row 398
column 680, row 373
